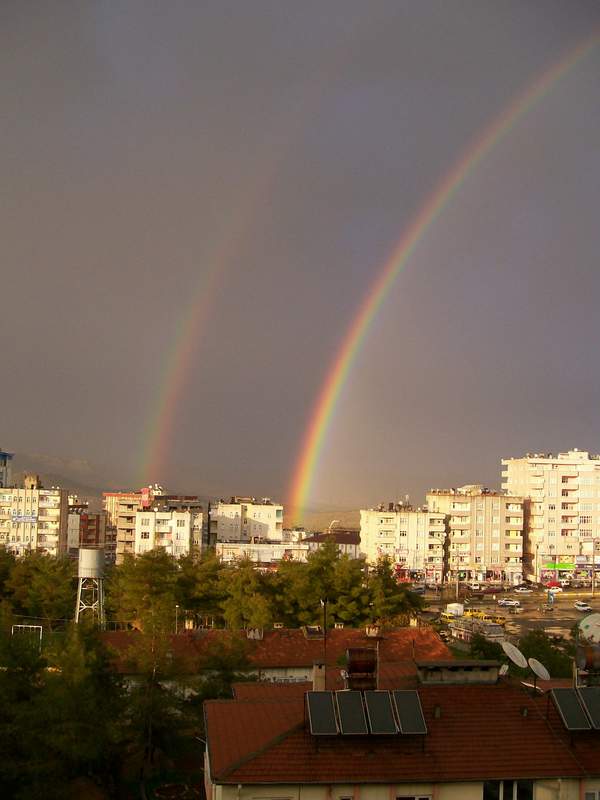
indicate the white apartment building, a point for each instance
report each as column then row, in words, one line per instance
column 413, row 538
column 263, row 553
column 34, row 518
column 244, row 519
column 178, row 532
column 563, row 509
column 485, row 532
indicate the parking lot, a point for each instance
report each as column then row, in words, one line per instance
column 557, row 622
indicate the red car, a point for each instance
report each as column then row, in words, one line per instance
column 553, row 585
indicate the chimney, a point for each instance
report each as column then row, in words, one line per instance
column 318, row 681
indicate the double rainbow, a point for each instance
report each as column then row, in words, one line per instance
column 329, row 394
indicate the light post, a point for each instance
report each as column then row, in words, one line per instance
column 324, row 602
column 176, row 618
column 537, row 563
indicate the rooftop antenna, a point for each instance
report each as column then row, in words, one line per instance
column 515, row 655
column 539, row 671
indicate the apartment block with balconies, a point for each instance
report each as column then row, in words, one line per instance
column 485, row 532
column 34, row 518
column 413, row 538
column 562, row 509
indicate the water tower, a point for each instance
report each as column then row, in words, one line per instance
column 90, row 584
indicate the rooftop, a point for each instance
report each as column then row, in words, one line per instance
column 267, row 741
column 290, row 647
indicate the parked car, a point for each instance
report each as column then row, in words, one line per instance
column 581, row 606
column 508, row 601
column 555, row 589
column 523, row 590
column 552, row 584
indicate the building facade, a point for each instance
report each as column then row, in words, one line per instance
column 85, row 529
column 179, row 533
column 34, row 518
column 413, row 538
column 265, row 554
column 485, row 532
column 5, row 469
column 121, row 509
column 562, row 510
column 244, row 519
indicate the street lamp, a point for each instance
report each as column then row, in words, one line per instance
column 176, row 618
column 324, row 602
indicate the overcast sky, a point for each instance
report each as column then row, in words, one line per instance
column 282, row 148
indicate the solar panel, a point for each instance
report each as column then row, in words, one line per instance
column 321, row 714
column 409, row 711
column 570, row 710
column 590, row 697
column 380, row 712
column 351, row 713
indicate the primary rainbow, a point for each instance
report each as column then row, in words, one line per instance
column 322, row 413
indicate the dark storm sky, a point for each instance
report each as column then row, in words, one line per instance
column 287, row 145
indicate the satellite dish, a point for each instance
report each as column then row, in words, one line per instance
column 590, row 628
column 539, row 669
column 515, row 655
column 503, row 669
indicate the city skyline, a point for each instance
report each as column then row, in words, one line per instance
column 200, row 202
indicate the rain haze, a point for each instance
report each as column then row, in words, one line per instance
column 197, row 198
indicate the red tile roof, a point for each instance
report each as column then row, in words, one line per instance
column 481, row 734
column 289, row 647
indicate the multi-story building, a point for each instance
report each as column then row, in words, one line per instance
column 562, row 509
column 347, row 541
column 121, row 509
column 5, row 469
column 413, row 538
column 244, row 519
column 178, row 532
column 34, row 518
column 85, row 528
column 485, row 532
column 263, row 554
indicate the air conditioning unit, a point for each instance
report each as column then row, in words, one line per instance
column 338, row 626
column 278, row 625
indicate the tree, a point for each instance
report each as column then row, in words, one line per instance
column 60, row 715
column 144, row 588
column 7, row 563
column 200, row 587
column 42, row 586
column 390, row 601
column 247, row 603
column 482, row 649
column 352, row 598
column 536, row 644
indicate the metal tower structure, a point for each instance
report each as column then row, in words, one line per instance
column 90, row 585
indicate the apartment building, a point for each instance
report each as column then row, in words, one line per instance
column 34, row 518
column 413, row 538
column 562, row 509
column 121, row 509
column 263, row 554
column 244, row 519
column 485, row 532
column 5, row 469
column 179, row 533
column 85, row 528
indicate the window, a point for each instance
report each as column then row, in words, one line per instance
column 592, row 796
column 508, row 790
column 551, row 507
column 144, row 535
column 145, row 521
column 181, row 523
column 413, row 797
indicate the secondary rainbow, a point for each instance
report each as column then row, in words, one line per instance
column 323, row 410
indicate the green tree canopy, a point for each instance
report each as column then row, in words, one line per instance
column 42, row 586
